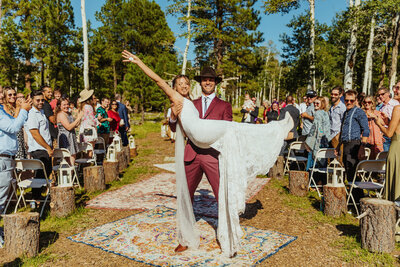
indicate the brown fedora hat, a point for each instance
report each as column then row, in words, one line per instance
column 208, row 72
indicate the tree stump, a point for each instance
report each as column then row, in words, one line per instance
column 94, row 179
column 277, row 170
column 21, row 234
column 111, row 171
column 334, row 200
column 62, row 200
column 133, row 152
column 298, row 183
column 378, row 227
column 121, row 160
column 127, row 155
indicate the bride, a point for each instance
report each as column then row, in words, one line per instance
column 246, row 150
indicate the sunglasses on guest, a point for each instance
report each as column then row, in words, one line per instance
column 317, row 103
column 350, row 100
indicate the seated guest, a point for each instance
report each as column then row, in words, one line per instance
column 66, row 128
column 114, row 115
column 375, row 139
column 39, row 138
column 320, row 130
column 273, row 114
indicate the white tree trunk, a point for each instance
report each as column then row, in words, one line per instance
column 85, row 47
column 279, row 82
column 368, row 60
column 395, row 53
column 351, row 51
column 311, row 84
column 189, row 35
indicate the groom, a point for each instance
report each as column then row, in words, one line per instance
column 197, row 160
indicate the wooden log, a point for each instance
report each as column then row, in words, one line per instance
column 133, row 152
column 334, row 200
column 62, row 200
column 21, row 234
column 277, row 170
column 94, row 179
column 127, row 155
column 298, row 183
column 121, row 160
column 111, row 171
column 378, row 227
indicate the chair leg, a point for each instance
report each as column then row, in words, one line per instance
column 21, row 196
column 44, row 204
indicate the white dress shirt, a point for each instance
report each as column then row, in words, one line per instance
column 37, row 120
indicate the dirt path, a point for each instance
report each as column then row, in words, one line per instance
column 270, row 209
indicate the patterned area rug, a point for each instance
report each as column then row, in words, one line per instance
column 160, row 190
column 149, row 237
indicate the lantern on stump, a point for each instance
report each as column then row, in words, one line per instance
column 65, row 174
column 132, row 144
column 335, row 173
column 111, row 153
column 117, row 143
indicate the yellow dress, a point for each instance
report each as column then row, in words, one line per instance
column 392, row 185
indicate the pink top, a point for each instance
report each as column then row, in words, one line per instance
column 375, row 134
column 388, row 108
column 88, row 121
column 53, row 103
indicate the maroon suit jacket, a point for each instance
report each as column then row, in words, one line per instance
column 218, row 110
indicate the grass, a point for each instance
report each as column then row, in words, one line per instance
column 349, row 242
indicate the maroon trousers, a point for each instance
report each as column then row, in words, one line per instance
column 195, row 169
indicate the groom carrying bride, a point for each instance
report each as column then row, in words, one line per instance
column 197, row 160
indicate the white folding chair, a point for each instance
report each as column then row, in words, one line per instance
column 323, row 153
column 382, row 155
column 86, row 148
column 62, row 154
column 291, row 157
column 33, row 183
column 367, row 153
column 363, row 167
column 11, row 194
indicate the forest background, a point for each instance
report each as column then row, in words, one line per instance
column 41, row 44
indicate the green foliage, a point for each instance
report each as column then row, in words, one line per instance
column 280, row 6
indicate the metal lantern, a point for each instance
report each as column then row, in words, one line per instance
column 132, row 144
column 335, row 173
column 117, row 143
column 164, row 130
column 111, row 153
column 65, row 174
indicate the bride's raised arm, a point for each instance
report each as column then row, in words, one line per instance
column 174, row 96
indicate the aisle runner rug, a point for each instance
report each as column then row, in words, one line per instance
column 166, row 166
column 150, row 237
column 160, row 190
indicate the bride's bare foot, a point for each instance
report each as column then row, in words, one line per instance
column 180, row 248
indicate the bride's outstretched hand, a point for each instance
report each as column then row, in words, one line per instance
column 129, row 57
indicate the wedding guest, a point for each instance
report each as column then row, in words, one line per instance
column 375, row 139
column 249, row 109
column 387, row 108
column 66, row 128
column 303, row 105
column 87, row 130
column 319, row 131
column 336, row 112
column 57, row 95
column 48, row 111
column 124, row 126
column 379, row 103
column 12, row 106
column 128, row 106
column 273, row 114
column 294, row 113
column 114, row 115
column 308, row 115
column 73, row 110
column 266, row 106
column 101, row 114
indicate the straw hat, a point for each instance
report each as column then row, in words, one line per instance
column 208, row 72
column 85, row 95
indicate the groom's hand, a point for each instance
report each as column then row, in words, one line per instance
column 176, row 110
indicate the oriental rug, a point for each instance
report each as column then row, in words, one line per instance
column 160, row 190
column 150, row 237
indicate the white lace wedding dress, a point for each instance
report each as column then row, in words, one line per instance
column 246, row 150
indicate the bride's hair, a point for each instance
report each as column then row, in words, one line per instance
column 178, row 77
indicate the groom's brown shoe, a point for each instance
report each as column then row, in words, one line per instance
column 180, row 248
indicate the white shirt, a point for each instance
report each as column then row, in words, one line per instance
column 37, row 120
column 210, row 98
column 303, row 107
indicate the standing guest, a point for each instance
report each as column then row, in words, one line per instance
column 9, row 127
column 308, row 115
column 294, row 113
column 392, row 185
column 266, row 106
column 303, row 105
column 114, row 115
column 354, row 137
column 87, row 130
column 39, row 138
column 66, row 128
column 124, row 124
column 319, row 132
column 336, row 113
column 12, row 106
column 57, row 95
column 379, row 103
column 295, row 104
column 249, row 109
column 387, row 108
column 375, row 139
column 101, row 113
column 48, row 111
column 128, row 106
column 73, row 110
column 273, row 114
column 360, row 99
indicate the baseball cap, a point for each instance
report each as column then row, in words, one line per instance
column 311, row 93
